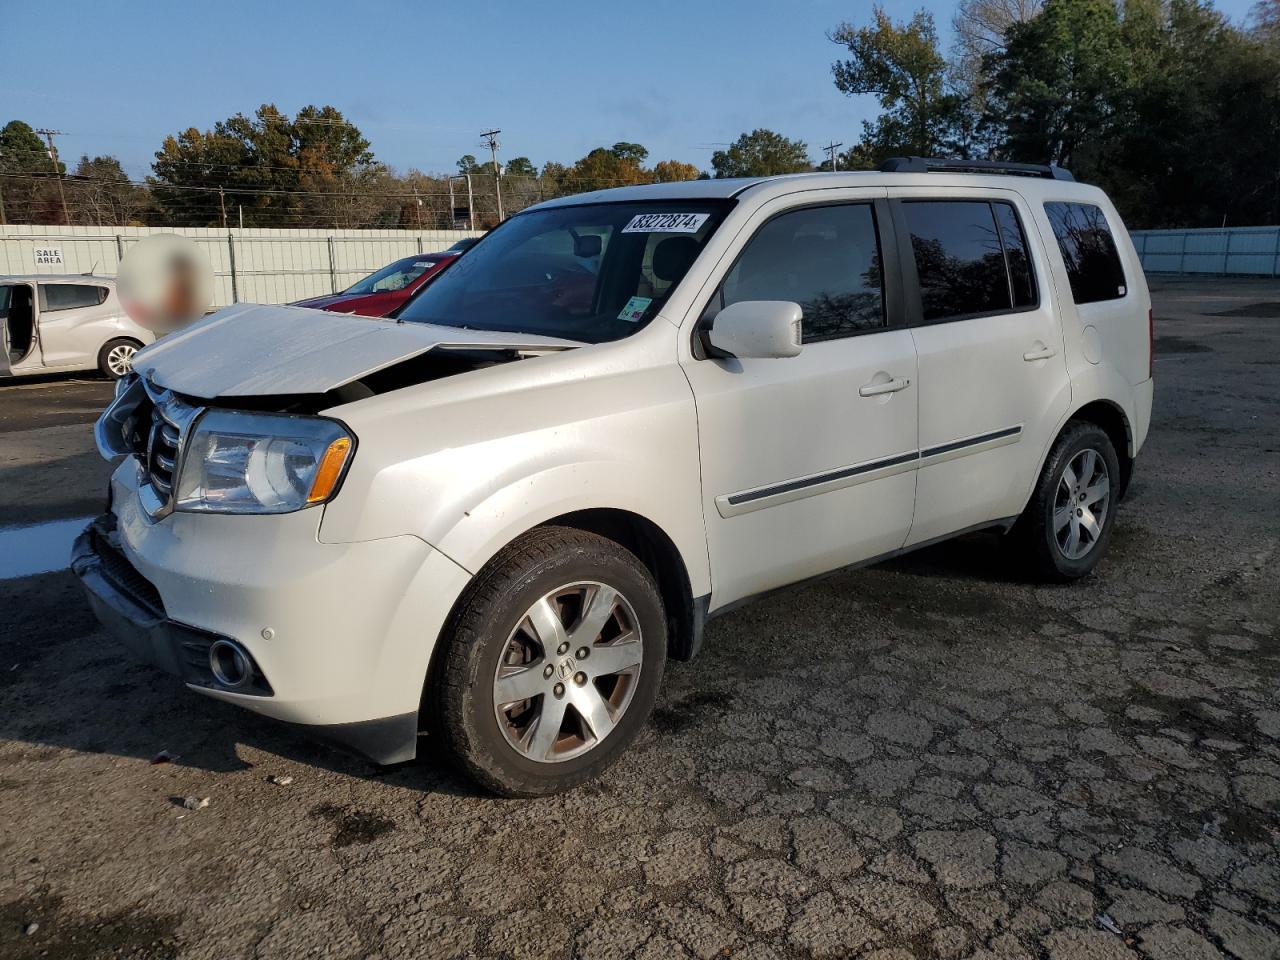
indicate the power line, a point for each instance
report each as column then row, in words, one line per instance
column 248, row 191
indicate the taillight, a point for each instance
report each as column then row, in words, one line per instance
column 1151, row 342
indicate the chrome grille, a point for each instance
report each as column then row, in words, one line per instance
column 160, row 453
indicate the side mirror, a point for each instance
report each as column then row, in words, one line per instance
column 755, row 328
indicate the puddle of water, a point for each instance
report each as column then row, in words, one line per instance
column 38, row 548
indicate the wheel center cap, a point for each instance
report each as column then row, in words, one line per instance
column 566, row 668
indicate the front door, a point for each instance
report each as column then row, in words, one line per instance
column 18, row 347
column 993, row 375
column 808, row 462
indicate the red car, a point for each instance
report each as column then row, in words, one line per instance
column 380, row 293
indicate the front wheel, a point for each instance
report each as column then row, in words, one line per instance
column 115, row 359
column 1066, row 527
column 553, row 662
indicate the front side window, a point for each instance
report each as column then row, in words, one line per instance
column 395, row 276
column 69, row 296
column 591, row 273
column 971, row 258
column 1088, row 251
column 827, row 259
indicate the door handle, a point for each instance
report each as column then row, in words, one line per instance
column 889, row 386
column 1044, row 353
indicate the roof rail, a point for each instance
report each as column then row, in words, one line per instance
column 1050, row 171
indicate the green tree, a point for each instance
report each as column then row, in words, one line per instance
column 1193, row 72
column 315, row 169
column 27, row 176
column 1055, row 86
column 631, row 152
column 1164, row 103
column 520, row 167
column 898, row 64
column 22, row 150
column 761, row 153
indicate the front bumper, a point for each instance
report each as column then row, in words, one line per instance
column 340, row 635
column 131, row 610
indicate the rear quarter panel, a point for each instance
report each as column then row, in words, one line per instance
column 1107, row 343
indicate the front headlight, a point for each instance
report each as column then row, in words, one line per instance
column 261, row 462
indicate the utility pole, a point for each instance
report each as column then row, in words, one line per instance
column 831, row 149
column 491, row 141
column 2, row 219
column 57, row 170
column 222, row 205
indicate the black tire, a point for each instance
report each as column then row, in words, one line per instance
column 105, row 358
column 461, row 691
column 1034, row 533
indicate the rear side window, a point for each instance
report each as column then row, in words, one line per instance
column 971, row 258
column 69, row 296
column 1088, row 250
column 827, row 259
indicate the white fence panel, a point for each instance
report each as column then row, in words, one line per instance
column 253, row 266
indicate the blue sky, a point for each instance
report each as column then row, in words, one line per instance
column 421, row 81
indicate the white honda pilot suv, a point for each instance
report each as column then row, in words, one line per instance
column 494, row 516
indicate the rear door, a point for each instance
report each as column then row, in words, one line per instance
column 993, row 374
column 70, row 332
column 808, row 461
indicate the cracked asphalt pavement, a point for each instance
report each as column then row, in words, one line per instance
column 927, row 758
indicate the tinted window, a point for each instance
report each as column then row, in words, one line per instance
column 1022, row 281
column 68, row 296
column 827, row 259
column 1088, row 250
column 959, row 258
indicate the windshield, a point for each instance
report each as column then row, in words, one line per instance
column 397, row 276
column 591, row 273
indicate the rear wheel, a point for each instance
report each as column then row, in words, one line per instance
column 115, row 359
column 553, row 663
column 1066, row 527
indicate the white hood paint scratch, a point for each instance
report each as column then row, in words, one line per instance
column 254, row 350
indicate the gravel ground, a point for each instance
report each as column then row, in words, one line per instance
column 929, row 758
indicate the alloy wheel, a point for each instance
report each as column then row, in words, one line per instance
column 120, row 358
column 1081, row 504
column 568, row 672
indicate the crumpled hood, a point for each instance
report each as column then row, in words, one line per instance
column 254, row 350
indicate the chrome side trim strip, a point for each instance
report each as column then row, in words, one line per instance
column 798, row 488
column 746, row 501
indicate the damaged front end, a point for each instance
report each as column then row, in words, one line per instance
column 220, row 430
